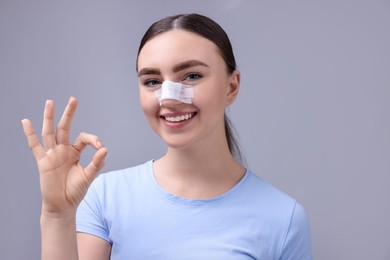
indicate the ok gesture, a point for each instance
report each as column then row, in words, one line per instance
column 63, row 181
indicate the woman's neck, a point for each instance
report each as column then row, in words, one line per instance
column 198, row 173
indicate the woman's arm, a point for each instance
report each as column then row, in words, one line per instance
column 58, row 237
column 59, row 241
column 297, row 244
column 63, row 181
column 93, row 247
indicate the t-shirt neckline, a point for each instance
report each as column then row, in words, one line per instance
column 195, row 202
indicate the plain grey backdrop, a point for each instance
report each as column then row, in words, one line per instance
column 312, row 115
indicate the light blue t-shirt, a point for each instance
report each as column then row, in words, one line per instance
column 141, row 220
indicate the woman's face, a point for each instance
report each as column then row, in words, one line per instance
column 190, row 59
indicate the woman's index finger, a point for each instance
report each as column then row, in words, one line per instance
column 48, row 139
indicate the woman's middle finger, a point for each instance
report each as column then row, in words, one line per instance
column 63, row 127
column 48, row 138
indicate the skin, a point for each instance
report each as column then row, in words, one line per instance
column 197, row 164
column 63, row 181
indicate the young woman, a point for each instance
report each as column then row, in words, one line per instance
column 195, row 202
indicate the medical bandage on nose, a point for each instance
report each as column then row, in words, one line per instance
column 174, row 90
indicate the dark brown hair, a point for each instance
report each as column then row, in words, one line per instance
column 209, row 29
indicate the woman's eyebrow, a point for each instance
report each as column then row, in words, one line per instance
column 188, row 64
column 181, row 66
column 149, row 71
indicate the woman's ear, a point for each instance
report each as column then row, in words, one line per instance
column 233, row 87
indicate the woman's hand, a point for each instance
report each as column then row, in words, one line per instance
column 64, row 182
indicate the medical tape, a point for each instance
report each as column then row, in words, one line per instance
column 174, row 90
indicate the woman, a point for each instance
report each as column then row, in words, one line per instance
column 195, row 202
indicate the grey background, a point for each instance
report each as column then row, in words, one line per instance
column 312, row 114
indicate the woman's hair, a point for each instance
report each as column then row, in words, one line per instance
column 212, row 31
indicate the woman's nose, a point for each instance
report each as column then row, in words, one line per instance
column 170, row 102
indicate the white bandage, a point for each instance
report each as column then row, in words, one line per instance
column 174, row 90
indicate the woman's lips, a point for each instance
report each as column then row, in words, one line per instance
column 177, row 119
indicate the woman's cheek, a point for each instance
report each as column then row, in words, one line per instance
column 147, row 101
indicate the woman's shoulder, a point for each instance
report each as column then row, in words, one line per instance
column 279, row 209
column 263, row 189
column 268, row 199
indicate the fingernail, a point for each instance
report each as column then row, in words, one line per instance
column 99, row 144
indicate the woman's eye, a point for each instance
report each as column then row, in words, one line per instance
column 193, row 76
column 152, row 83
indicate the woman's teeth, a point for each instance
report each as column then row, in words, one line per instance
column 178, row 118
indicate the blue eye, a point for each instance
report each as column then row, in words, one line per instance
column 193, row 76
column 152, row 83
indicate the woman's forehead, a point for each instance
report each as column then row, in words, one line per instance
column 177, row 46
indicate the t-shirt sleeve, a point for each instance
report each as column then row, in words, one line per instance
column 297, row 245
column 89, row 217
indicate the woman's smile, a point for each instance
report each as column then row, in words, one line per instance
column 177, row 119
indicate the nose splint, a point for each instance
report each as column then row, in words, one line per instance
column 174, row 90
